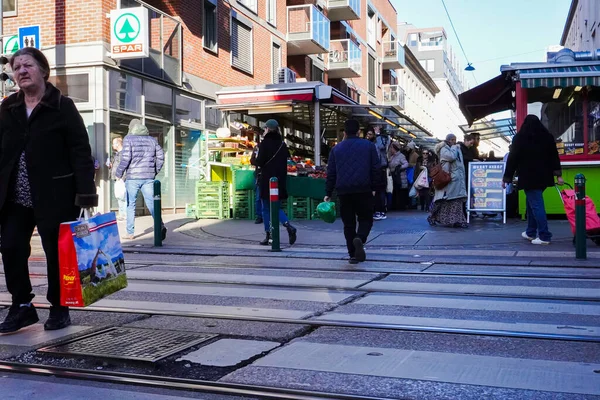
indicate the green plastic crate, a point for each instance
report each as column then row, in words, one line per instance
column 298, row 208
column 243, row 204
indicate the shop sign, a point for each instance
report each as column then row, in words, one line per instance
column 485, row 186
column 129, row 33
column 570, row 148
column 11, row 45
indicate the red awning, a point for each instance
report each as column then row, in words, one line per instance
column 488, row 98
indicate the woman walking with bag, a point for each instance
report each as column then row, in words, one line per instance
column 449, row 200
column 46, row 176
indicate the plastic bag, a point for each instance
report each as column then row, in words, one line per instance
column 326, row 212
column 422, row 181
column 120, row 190
column 413, row 192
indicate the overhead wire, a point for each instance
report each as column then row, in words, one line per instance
column 458, row 38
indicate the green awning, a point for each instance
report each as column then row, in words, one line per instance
column 588, row 75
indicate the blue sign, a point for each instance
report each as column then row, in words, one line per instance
column 29, row 36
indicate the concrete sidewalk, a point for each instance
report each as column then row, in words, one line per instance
column 402, row 234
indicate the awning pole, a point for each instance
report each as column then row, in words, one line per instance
column 317, row 132
column 521, row 103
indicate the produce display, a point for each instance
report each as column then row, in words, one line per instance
column 305, row 167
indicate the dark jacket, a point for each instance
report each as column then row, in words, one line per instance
column 468, row 154
column 272, row 159
column 57, row 151
column 534, row 158
column 142, row 157
column 115, row 161
column 353, row 167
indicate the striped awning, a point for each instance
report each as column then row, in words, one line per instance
column 587, row 75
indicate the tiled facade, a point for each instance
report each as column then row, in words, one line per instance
column 582, row 28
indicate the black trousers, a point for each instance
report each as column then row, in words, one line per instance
column 16, row 229
column 353, row 207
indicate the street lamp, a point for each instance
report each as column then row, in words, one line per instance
column 470, row 68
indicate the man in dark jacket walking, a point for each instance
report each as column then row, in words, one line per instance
column 534, row 158
column 353, row 172
column 272, row 159
column 142, row 158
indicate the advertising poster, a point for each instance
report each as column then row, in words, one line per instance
column 485, row 187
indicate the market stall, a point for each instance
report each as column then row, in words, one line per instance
column 311, row 116
column 565, row 94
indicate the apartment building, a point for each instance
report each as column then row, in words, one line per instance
column 582, row 30
column 430, row 46
column 197, row 48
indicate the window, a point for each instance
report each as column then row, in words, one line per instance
column 241, row 46
column 317, row 74
column 76, row 86
column 275, row 61
column 159, row 100
column 372, row 72
column 412, row 41
column 430, row 65
column 372, row 28
column 272, row 12
column 249, row 4
column 125, row 92
column 9, row 8
column 210, row 25
column 187, row 110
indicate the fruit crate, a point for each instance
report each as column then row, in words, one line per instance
column 211, row 209
column 244, row 204
column 204, row 188
column 299, row 208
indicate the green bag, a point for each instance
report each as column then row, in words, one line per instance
column 326, row 212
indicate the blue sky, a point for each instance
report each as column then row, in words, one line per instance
column 491, row 29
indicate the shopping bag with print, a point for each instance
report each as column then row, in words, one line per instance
column 91, row 263
column 413, row 192
column 422, row 181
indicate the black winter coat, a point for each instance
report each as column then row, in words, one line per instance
column 272, row 159
column 353, row 167
column 57, row 151
column 534, row 158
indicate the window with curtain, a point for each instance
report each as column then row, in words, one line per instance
column 272, row 12
column 241, row 46
column 372, row 75
column 276, row 61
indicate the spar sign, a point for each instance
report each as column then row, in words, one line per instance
column 129, row 33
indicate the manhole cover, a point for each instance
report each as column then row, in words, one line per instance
column 130, row 344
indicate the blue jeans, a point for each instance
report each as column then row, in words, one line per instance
column 133, row 187
column 122, row 208
column 537, row 223
column 258, row 205
column 266, row 213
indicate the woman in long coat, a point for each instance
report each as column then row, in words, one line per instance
column 448, row 202
column 46, row 176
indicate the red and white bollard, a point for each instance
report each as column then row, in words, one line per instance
column 274, row 210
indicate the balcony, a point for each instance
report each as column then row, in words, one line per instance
column 308, row 30
column 344, row 59
column 343, row 10
column 393, row 95
column 393, row 55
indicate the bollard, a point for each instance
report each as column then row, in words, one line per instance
column 580, row 223
column 157, row 215
column 274, row 210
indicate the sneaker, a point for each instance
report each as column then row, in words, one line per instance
column 19, row 317
column 128, row 237
column 377, row 217
column 524, row 235
column 540, row 242
column 359, row 250
column 383, row 216
column 353, row 261
column 59, row 318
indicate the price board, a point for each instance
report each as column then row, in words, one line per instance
column 485, row 190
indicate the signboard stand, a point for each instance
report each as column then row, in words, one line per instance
column 485, row 192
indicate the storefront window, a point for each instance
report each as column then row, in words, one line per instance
column 187, row 109
column 125, row 92
column 76, row 86
column 160, row 131
column 159, row 100
column 594, row 128
column 565, row 121
column 187, row 165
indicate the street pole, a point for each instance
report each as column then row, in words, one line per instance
column 274, row 210
column 580, row 223
column 157, row 215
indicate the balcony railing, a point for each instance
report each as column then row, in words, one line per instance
column 393, row 95
column 308, row 30
column 393, row 55
column 344, row 59
column 343, row 10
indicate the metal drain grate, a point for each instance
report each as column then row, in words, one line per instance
column 149, row 345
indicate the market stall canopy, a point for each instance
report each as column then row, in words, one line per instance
column 502, row 128
column 488, row 98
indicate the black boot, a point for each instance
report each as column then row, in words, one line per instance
column 59, row 318
column 19, row 317
column 291, row 232
column 267, row 240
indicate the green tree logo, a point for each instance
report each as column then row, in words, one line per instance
column 126, row 32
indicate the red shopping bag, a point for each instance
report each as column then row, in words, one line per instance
column 91, row 262
column 592, row 221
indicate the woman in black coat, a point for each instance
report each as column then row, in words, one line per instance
column 46, row 176
column 534, row 158
column 272, row 159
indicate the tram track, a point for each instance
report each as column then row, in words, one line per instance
column 180, row 384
